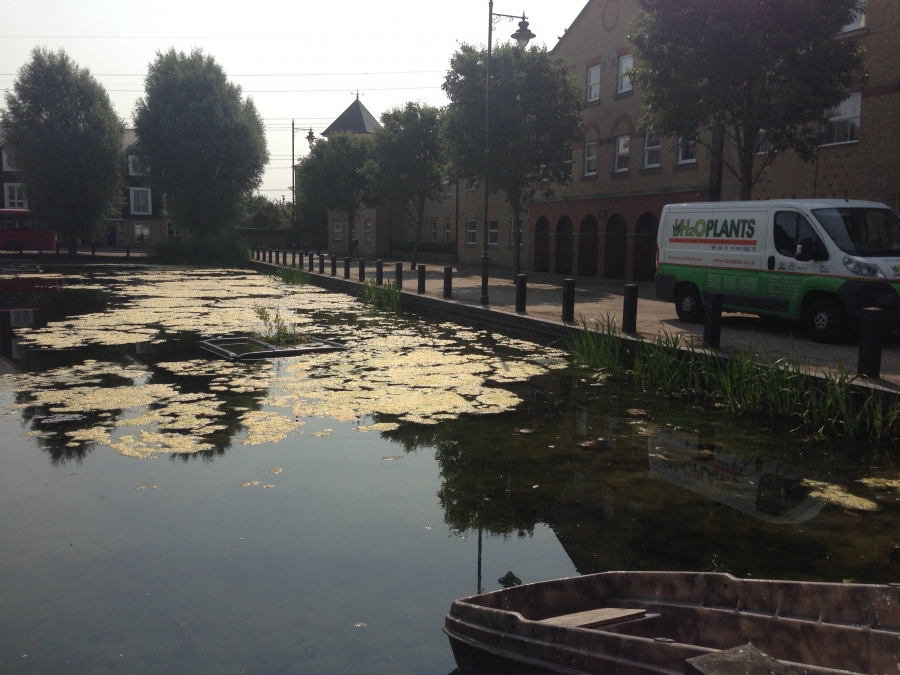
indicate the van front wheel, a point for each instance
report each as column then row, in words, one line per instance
column 689, row 304
column 826, row 321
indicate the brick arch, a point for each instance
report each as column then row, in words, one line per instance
column 622, row 119
column 592, row 126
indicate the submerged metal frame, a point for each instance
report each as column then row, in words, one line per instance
column 218, row 346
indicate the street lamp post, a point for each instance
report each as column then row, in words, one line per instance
column 522, row 36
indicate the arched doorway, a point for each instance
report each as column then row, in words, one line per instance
column 614, row 260
column 645, row 248
column 542, row 245
column 588, row 239
column 564, row 246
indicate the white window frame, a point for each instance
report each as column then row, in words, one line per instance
column 135, row 211
column 446, row 188
column 590, row 158
column 623, row 81
column 173, row 234
column 567, row 162
column 144, row 236
column 493, row 233
column 471, row 232
column 592, row 84
column 353, row 232
column 512, row 232
column 652, row 144
column 337, row 232
column 434, row 231
column 858, row 23
column 9, row 161
column 470, row 183
column 763, row 144
column 687, row 151
column 141, row 163
column 368, row 231
column 14, row 196
column 846, row 113
column 623, row 146
column 448, row 231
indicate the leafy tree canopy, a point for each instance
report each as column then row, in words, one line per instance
column 333, row 175
column 535, row 117
column 406, row 164
column 262, row 212
column 743, row 66
column 206, row 143
column 67, row 142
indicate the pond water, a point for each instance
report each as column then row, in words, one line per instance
column 162, row 510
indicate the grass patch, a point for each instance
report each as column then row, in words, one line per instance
column 292, row 276
column 386, row 296
column 276, row 330
column 743, row 383
column 224, row 251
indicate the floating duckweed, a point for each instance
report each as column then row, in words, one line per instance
column 275, row 471
column 249, row 483
column 267, row 427
column 835, row 494
column 379, row 426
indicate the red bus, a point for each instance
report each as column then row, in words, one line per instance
column 17, row 235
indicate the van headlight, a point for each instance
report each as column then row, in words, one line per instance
column 862, row 268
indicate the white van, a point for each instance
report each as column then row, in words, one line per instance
column 819, row 261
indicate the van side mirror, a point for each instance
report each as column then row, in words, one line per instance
column 805, row 250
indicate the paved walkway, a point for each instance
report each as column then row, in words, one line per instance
column 597, row 298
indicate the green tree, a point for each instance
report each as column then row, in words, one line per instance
column 333, row 175
column 406, row 164
column 730, row 73
column 206, row 143
column 535, row 118
column 262, row 212
column 67, row 142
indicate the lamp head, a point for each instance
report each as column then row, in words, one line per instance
column 523, row 35
column 310, row 138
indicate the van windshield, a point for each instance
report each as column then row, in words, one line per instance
column 861, row 231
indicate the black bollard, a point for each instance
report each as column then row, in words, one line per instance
column 269, row 256
column 40, row 250
column 294, row 257
column 57, row 248
column 333, row 265
column 629, row 309
column 362, row 269
column 712, row 322
column 318, row 250
column 310, row 262
column 379, row 272
column 520, row 293
column 568, row 308
column 305, row 249
column 398, row 274
column 321, row 263
column 93, row 250
column 871, row 340
column 448, row 282
column 421, row 273
column 127, row 250
column 347, row 267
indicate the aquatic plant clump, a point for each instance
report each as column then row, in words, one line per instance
column 292, row 277
column 386, row 296
column 826, row 405
column 276, row 330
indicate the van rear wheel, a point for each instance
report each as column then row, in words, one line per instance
column 12, row 246
column 689, row 304
column 825, row 320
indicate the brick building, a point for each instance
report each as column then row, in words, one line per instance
column 142, row 221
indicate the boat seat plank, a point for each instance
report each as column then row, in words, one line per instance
column 594, row 618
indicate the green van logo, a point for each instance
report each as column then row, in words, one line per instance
column 715, row 228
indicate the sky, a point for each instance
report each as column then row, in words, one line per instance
column 296, row 60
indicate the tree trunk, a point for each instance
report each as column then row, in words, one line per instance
column 517, row 242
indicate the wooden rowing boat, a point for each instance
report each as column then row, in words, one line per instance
column 665, row 623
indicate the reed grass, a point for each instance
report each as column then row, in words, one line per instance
column 386, row 296
column 743, row 383
column 292, row 276
column 276, row 330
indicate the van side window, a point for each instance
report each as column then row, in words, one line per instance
column 791, row 227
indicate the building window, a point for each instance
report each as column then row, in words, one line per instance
column 622, row 145
column 626, row 63
column 446, row 188
column 858, row 22
column 763, row 144
column 448, row 231
column 843, row 122
column 590, row 158
column 368, row 232
column 140, row 201
column 471, row 232
column 138, row 165
column 593, row 84
column 567, row 163
column 338, row 231
column 512, row 232
column 353, row 232
column 434, row 231
column 410, row 231
column 174, row 234
column 493, row 232
column 470, row 183
column 687, row 151
column 545, row 175
column 652, row 145
column 15, row 196
column 9, row 161
column 141, row 232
